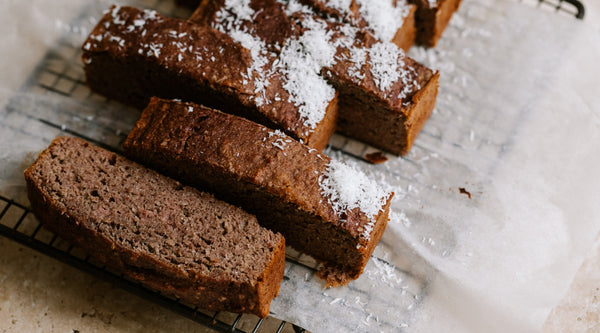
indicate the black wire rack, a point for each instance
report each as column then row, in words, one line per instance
column 566, row 7
column 59, row 73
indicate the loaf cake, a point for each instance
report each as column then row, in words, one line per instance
column 432, row 18
column 132, row 55
column 384, row 96
column 322, row 207
column 169, row 237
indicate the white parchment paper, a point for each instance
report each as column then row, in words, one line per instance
column 496, row 205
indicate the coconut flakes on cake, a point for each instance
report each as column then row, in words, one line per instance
column 386, row 64
column 307, row 89
column 301, row 60
column 229, row 20
column 347, row 188
column 386, row 59
column 384, row 18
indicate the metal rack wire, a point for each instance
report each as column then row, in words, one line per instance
column 59, row 74
column 566, row 7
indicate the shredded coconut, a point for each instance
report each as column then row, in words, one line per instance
column 293, row 6
column 358, row 57
column 241, row 9
column 347, row 188
column 154, row 49
column 115, row 15
column 281, row 140
column 384, row 18
column 343, row 6
column 232, row 25
column 301, row 61
column 386, row 64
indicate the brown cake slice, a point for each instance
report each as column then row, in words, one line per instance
column 167, row 236
column 384, row 96
column 132, row 55
column 322, row 207
column 432, row 18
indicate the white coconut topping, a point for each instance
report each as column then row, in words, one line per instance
column 383, row 17
column 241, row 9
column 255, row 45
column 385, row 58
column 115, row 15
column 292, row 6
column 301, row 61
column 386, row 64
column 347, row 188
column 343, row 6
column 229, row 20
column 358, row 57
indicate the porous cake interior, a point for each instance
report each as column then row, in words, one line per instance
column 150, row 214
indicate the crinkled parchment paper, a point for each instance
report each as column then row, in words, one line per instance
column 496, row 205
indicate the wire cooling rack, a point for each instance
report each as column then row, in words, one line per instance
column 59, row 76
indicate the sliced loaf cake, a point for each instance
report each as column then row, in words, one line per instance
column 169, row 237
column 132, row 55
column 385, row 97
column 322, row 207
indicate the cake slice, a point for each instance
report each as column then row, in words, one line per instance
column 322, row 207
column 432, row 18
column 169, row 237
column 385, row 97
column 132, row 55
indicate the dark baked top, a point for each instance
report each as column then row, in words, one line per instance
column 188, row 233
column 336, row 192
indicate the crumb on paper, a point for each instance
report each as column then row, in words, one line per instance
column 376, row 157
column 462, row 190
